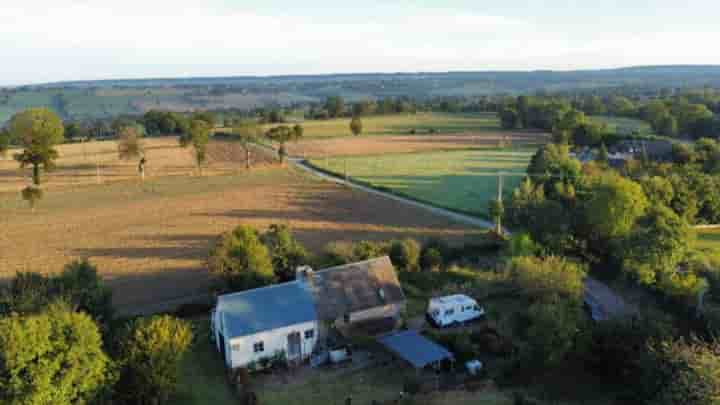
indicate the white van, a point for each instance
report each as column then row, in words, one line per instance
column 453, row 310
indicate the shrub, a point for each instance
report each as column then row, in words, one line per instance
column 241, row 260
column 336, row 254
column 365, row 250
column 405, row 254
column 286, row 252
column 682, row 372
column 151, row 352
column 548, row 278
column 431, row 260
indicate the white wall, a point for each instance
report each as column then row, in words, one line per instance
column 274, row 340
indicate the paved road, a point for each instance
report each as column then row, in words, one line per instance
column 465, row 219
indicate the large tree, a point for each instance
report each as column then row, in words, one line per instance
column 282, row 135
column 286, row 252
column 241, row 260
column 37, row 131
column 151, row 352
column 51, row 358
column 356, row 126
column 129, row 143
column 248, row 133
column 614, row 205
column 198, row 137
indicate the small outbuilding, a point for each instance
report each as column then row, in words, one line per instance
column 415, row 349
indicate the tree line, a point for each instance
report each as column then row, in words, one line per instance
column 61, row 343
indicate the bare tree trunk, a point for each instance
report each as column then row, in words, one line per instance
column 247, row 157
column 36, row 174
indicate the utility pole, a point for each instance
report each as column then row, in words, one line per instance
column 498, row 223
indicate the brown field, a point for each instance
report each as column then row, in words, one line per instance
column 370, row 145
column 93, row 162
column 150, row 240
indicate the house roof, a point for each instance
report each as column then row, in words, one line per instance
column 355, row 287
column 261, row 309
column 415, row 348
column 603, row 303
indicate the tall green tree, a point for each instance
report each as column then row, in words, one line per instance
column 51, row 358
column 286, row 252
column 151, row 352
column 241, row 260
column 198, row 137
column 37, row 131
column 130, row 144
column 248, row 133
column 614, row 205
column 282, row 135
column 356, row 126
column 509, row 118
column 335, row 106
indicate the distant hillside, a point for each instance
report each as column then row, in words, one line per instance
column 97, row 99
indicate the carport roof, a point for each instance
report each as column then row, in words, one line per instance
column 415, row 348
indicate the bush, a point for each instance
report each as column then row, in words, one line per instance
column 241, row 260
column 431, row 260
column 682, row 372
column 286, row 252
column 366, row 250
column 337, row 254
column 548, row 278
column 151, row 351
column 405, row 254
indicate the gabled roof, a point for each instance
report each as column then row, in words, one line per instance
column 355, row 287
column 261, row 309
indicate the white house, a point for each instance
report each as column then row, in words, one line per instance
column 292, row 317
column 260, row 323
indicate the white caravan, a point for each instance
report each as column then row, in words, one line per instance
column 453, row 309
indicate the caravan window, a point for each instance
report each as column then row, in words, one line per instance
column 259, row 347
column 309, row 334
column 449, row 312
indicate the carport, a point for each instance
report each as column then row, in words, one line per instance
column 415, row 349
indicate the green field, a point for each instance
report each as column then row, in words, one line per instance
column 708, row 238
column 624, row 126
column 403, row 124
column 460, row 180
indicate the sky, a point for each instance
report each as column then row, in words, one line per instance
column 56, row 40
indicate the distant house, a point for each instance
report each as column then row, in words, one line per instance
column 660, row 150
column 292, row 318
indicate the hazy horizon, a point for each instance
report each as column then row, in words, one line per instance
column 80, row 40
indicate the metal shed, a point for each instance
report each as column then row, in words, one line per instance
column 415, row 348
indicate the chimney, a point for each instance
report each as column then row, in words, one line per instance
column 304, row 274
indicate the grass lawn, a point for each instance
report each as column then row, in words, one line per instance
column 402, row 124
column 202, row 377
column 708, row 238
column 460, row 180
column 202, row 381
column 624, row 126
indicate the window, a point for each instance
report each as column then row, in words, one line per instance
column 259, row 347
column 449, row 312
column 469, row 308
column 346, row 318
column 235, row 347
column 309, row 334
